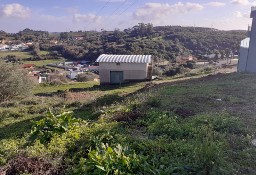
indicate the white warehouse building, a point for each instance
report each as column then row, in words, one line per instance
column 117, row 69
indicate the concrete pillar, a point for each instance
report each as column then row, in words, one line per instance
column 251, row 60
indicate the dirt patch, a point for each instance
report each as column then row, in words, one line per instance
column 35, row 166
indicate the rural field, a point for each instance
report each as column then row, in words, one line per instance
column 192, row 126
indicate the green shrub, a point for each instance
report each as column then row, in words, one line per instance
column 109, row 160
column 14, row 82
column 8, row 113
column 87, row 76
column 153, row 101
column 53, row 125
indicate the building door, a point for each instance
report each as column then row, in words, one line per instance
column 116, row 77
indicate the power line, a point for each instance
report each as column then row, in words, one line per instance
column 103, row 7
column 132, row 4
column 111, row 15
column 98, row 12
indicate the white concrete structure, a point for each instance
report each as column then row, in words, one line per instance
column 247, row 55
column 73, row 74
column 243, row 54
column 117, row 69
column 42, row 79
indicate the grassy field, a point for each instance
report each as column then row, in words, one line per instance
column 21, row 54
column 62, row 87
column 43, row 62
column 18, row 54
column 197, row 126
column 89, row 86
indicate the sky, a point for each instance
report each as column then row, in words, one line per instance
column 74, row 15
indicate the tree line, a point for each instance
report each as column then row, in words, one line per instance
column 164, row 42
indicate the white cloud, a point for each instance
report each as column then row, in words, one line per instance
column 216, row 4
column 51, row 18
column 71, row 10
column 155, row 11
column 240, row 2
column 14, row 11
column 239, row 14
column 86, row 18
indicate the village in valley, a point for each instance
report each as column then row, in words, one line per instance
column 183, row 63
column 144, row 99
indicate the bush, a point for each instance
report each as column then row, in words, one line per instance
column 56, row 79
column 109, row 160
column 14, row 82
column 52, row 125
column 88, row 76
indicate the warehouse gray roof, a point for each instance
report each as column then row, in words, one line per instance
column 104, row 58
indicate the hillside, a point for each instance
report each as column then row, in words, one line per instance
column 197, row 126
column 164, row 42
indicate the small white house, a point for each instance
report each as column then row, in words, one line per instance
column 4, row 47
column 42, row 79
column 73, row 74
column 117, row 69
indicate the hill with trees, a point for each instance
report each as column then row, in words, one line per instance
column 164, row 42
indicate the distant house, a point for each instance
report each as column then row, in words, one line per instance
column 42, row 79
column 79, row 38
column 117, row 69
column 73, row 74
column 93, row 68
column 4, row 47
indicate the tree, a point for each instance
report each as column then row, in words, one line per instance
column 64, row 35
column 222, row 54
column 36, row 49
column 14, row 81
column 227, row 52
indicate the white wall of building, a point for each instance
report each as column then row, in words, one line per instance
column 243, row 55
column 131, row 71
column 251, row 61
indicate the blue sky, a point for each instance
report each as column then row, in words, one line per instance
column 66, row 15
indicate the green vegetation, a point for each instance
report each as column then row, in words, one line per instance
column 18, row 54
column 198, row 126
column 41, row 63
column 87, row 86
column 163, row 42
column 14, row 82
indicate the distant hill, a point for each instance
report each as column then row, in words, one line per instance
column 164, row 42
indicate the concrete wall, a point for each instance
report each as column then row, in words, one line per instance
column 132, row 71
column 243, row 54
column 251, row 62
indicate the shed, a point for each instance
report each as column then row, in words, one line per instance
column 117, row 69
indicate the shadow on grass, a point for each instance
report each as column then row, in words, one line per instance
column 93, row 88
column 89, row 111
column 17, row 129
